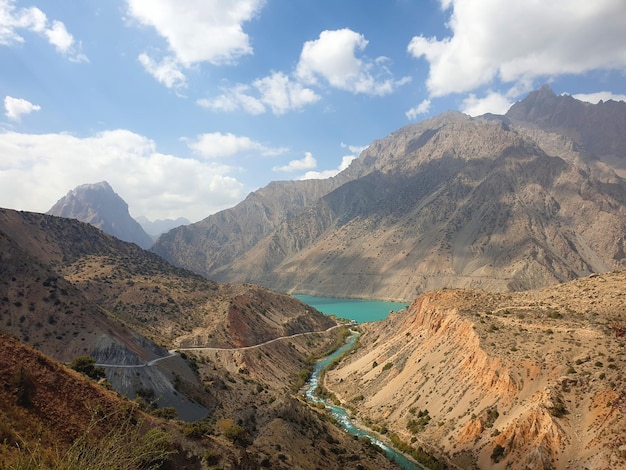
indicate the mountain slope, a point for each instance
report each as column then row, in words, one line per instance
column 70, row 289
column 159, row 226
column 537, row 374
column 161, row 301
column 98, row 205
column 453, row 201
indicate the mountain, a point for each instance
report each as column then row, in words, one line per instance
column 598, row 129
column 491, row 202
column 159, row 226
column 521, row 380
column 69, row 289
column 98, row 205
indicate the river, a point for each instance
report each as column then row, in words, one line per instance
column 342, row 416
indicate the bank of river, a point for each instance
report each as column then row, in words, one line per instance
column 342, row 416
column 353, row 309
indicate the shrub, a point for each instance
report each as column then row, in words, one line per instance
column 87, row 365
column 197, row 429
column 167, row 412
column 492, row 415
column 498, row 453
column 418, row 425
column 237, row 435
column 558, row 409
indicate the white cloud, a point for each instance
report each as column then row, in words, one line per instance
column 305, row 163
column 282, row 94
column 37, row 170
column 219, row 145
column 59, row 37
column 599, row 96
column 199, row 30
column 234, row 99
column 276, row 92
column 520, row 40
column 16, row 107
column 315, row 175
column 166, row 72
column 421, row 108
column 355, row 149
column 32, row 19
column 333, row 58
column 494, row 102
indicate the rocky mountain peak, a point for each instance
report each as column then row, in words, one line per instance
column 99, row 205
column 597, row 128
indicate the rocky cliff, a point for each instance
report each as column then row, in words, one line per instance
column 453, row 201
column 100, row 206
column 526, row 380
column 598, row 129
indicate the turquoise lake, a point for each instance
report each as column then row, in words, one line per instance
column 353, row 309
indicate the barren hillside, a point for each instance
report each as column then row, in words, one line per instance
column 524, row 380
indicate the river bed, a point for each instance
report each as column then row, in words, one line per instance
column 342, row 416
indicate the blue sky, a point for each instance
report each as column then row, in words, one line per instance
column 186, row 106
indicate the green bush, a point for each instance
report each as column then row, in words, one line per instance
column 87, row 365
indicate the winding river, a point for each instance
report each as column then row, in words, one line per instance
column 342, row 416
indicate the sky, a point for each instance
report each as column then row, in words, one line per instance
column 187, row 106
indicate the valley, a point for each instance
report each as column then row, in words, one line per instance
column 494, row 244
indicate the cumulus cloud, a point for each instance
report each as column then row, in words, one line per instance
column 32, row 19
column 219, row 145
column 37, row 170
column 276, row 92
column 493, row 102
column 521, row 40
column 167, row 72
column 305, row 163
column 421, row 108
column 282, row 94
column 599, row 96
column 333, row 58
column 199, row 30
column 314, row 175
column 16, row 107
column 234, row 99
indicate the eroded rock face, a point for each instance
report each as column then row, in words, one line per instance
column 525, row 378
column 499, row 203
column 98, row 205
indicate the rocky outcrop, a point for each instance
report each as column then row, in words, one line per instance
column 98, row 205
column 598, row 129
column 523, row 380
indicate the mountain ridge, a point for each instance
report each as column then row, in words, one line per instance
column 452, row 201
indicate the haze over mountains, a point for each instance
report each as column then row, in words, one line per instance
column 99, row 205
column 503, row 203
